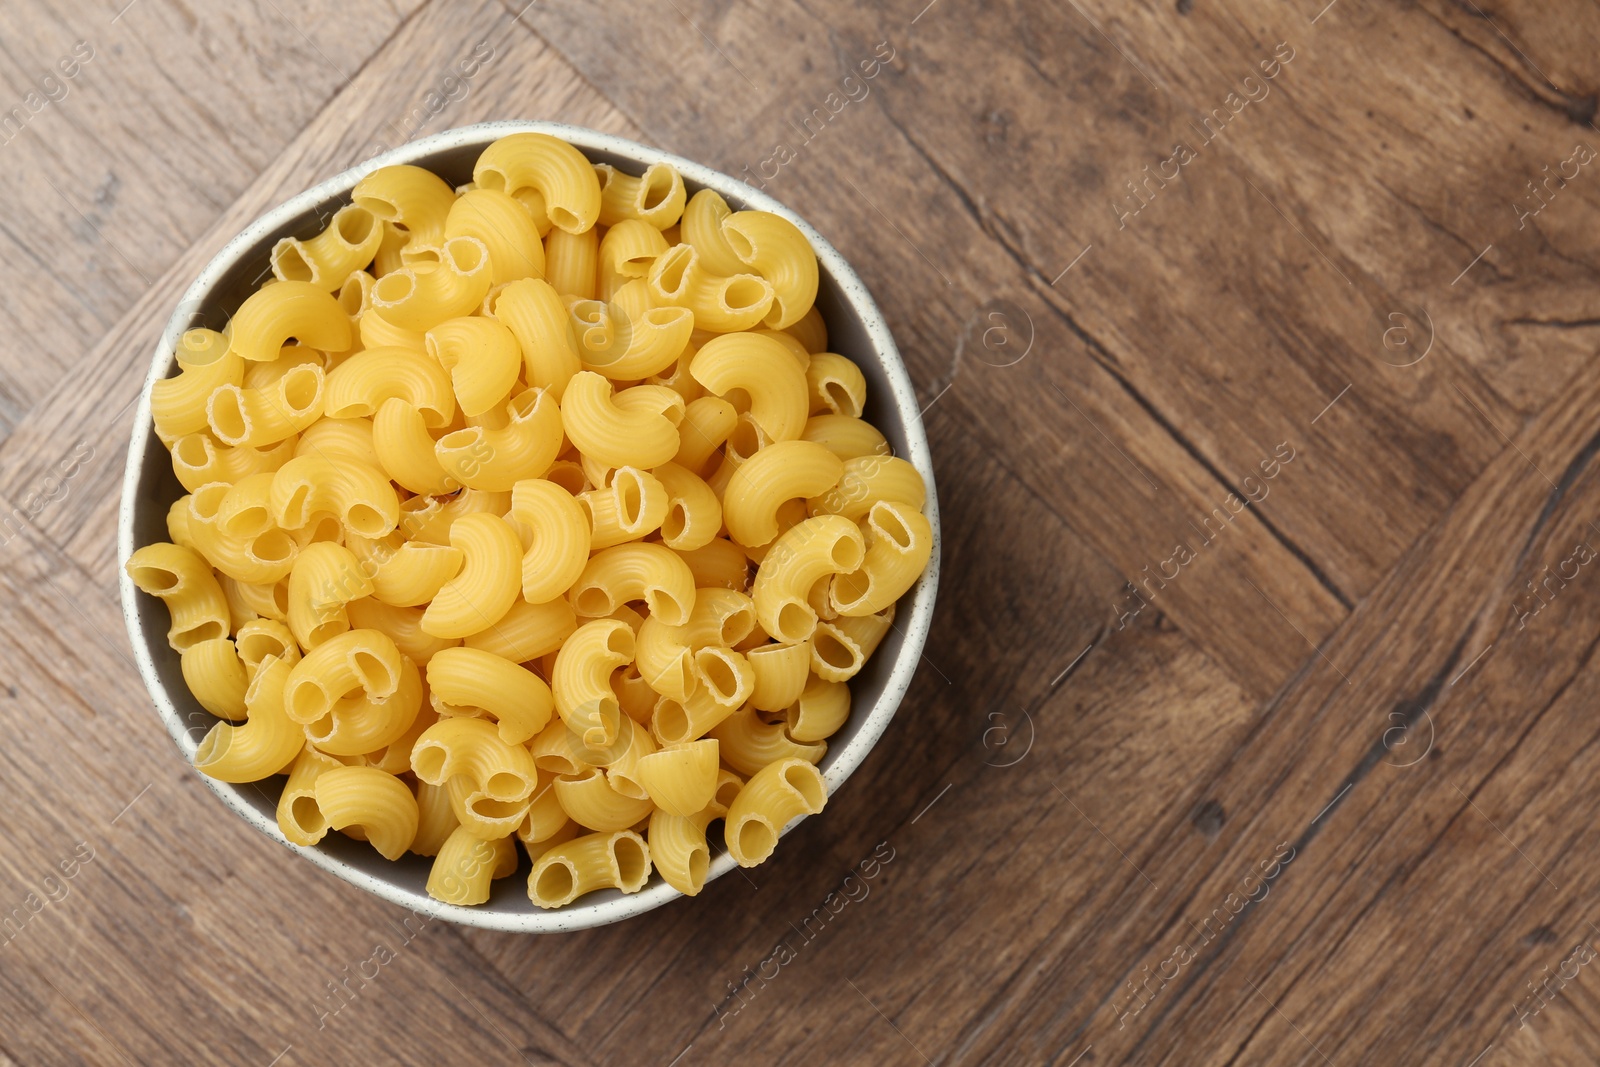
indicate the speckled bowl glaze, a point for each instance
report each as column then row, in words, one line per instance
column 855, row 328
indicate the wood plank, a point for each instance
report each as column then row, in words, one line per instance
column 170, row 112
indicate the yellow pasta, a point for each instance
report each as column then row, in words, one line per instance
column 721, row 303
column 703, row 217
column 405, row 573
column 534, row 313
column 436, row 819
column 215, row 675
column 581, row 679
column 637, row 427
column 178, row 404
column 358, row 387
column 772, row 798
column 774, row 248
column 594, row 861
column 495, row 460
column 483, row 359
column 626, row 252
column 809, row 552
column 779, row 472
column 505, row 227
column 636, row 571
column 781, row 672
column 681, row 779
column 267, row 742
column 571, row 262
column 360, row 497
column 376, row 802
column 466, row 865
column 483, row 591
column 336, row 439
column 656, row 197
column 632, row 507
column 819, row 712
column 765, row 372
column 491, row 782
column 899, row 545
column 300, row 819
column 277, row 312
column 749, row 744
column 181, row 578
column 200, row 459
column 347, row 244
column 592, row 802
column 403, row 626
column 256, row 418
column 416, row 299
column 845, row 437
column 325, row 578
column 625, row 344
column 867, row 480
column 471, row 679
column 561, row 175
column 404, row 450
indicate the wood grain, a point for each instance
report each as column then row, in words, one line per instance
column 1366, row 677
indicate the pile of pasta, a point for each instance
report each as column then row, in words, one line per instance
column 534, row 512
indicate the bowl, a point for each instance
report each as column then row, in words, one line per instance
column 855, row 328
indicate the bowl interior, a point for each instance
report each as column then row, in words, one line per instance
column 855, row 329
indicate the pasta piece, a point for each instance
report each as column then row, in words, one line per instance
column 257, row 418
column 810, row 331
column 845, row 437
column 178, row 404
column 682, row 779
column 215, row 675
column 774, row 248
column 470, row 680
column 347, row 244
column 626, row 345
column 407, row 196
column 581, row 679
column 199, row 459
column 186, row 584
column 263, row 639
column 836, row 385
column 527, row 631
column 571, row 262
column 807, row 553
column 632, row 507
column 495, row 460
column 561, row 175
column 656, row 197
column 637, row 427
column 765, row 372
column 361, row 384
column 465, row 866
column 403, row 626
column 772, row 798
column 594, row 861
column 325, row 578
column 405, row 573
column 819, row 713
column 537, row 318
column 436, row 819
column 505, row 227
column 781, row 672
column 337, row 440
column 490, row 782
column 899, row 545
column 626, row 252
column 431, row 518
column 639, row 571
column 591, row 801
column 418, row 300
column 481, row 594
column 376, row 802
column 483, row 359
column 703, row 217
column 777, row 473
column 360, row 497
column 867, row 480
column 719, row 563
column 267, row 742
column 693, row 513
column 273, row 314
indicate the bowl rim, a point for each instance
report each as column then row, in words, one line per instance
column 917, row 620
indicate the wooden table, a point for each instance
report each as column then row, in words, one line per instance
column 1257, row 725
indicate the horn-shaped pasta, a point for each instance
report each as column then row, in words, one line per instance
column 640, row 571
column 360, row 497
column 632, row 507
column 562, row 176
column 429, row 519
column 536, row 316
column 256, row 418
column 375, row 801
column 678, row 722
column 199, row 459
column 469, row 680
column 416, row 299
column 527, row 631
column 694, row 514
column 722, row 303
column 665, row 652
column 656, row 197
column 484, row 590
column 766, row 372
column 466, row 865
column 505, row 227
column 407, row 196
column 495, row 460
column 357, row 663
column 773, row 247
column 749, row 744
column 378, row 332
column 558, row 750
column 571, row 262
column 263, row 639
column 845, row 437
column 794, row 347
column 775, row 795
column 628, row 346
column 637, row 427
column 807, row 553
column 267, row 742
column 682, row 779
column 703, row 216
column 405, row 573
column 271, row 315
column 591, row 801
column 626, row 252
column 326, row 260
column 595, row 861
column 215, row 675
column 178, row 404
column 325, row 578
column 359, row 723
column 482, row 357
column 835, row 384
column 899, row 545
column 359, row 386
column 777, row 473
column 262, row 558
column 720, row 563
column 269, row 602
column 557, row 534
column 299, row 818
column 781, row 673
column 623, row 771
column 819, row 713
column 405, row 451
column 490, row 781
column 186, row 583
column 581, row 679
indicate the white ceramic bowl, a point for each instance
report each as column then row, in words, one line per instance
column 855, row 328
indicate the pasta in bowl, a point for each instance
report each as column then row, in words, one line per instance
column 528, row 526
